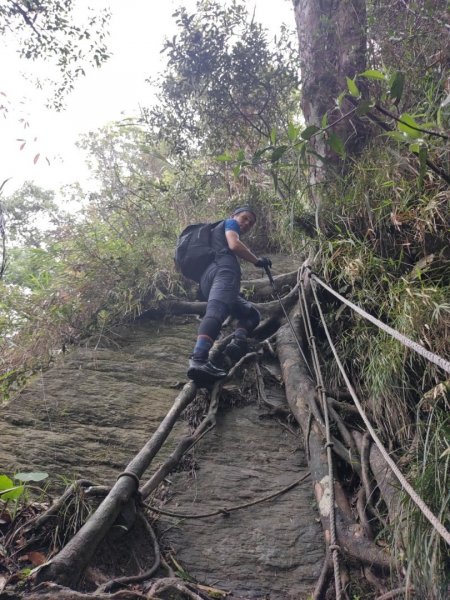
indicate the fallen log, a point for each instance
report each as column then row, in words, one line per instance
column 262, row 288
column 267, row 309
column 185, row 307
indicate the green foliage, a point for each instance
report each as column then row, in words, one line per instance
column 384, row 246
column 49, row 31
column 227, row 130
column 225, row 84
column 15, row 493
column 110, row 263
column 336, row 144
column 28, row 213
column 373, row 74
column 352, row 88
column 397, row 85
column 428, row 555
column 423, row 134
column 408, row 38
column 8, row 490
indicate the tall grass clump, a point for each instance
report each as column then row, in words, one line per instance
column 384, row 245
column 428, row 555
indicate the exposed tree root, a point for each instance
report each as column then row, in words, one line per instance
column 345, row 434
column 324, row 578
column 344, row 407
column 262, row 288
column 172, row 583
column 373, row 580
column 121, row 581
column 52, row 591
column 208, row 423
column 275, row 410
column 355, row 539
column 386, row 480
column 300, row 392
column 365, row 476
column 395, row 593
column 184, row 307
column 226, row 511
column 361, row 509
column 67, row 567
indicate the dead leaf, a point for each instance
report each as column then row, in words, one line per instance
column 36, row 558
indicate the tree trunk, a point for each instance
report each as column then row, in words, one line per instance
column 332, row 46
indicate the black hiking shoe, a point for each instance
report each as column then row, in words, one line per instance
column 204, row 372
column 236, row 349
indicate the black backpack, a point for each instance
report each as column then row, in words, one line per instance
column 193, row 252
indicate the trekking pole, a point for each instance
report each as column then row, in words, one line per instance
column 272, row 282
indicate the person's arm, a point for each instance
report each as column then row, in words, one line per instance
column 239, row 248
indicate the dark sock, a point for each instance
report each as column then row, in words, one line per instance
column 202, row 347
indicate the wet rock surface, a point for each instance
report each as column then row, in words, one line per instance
column 270, row 550
column 91, row 413
column 94, row 410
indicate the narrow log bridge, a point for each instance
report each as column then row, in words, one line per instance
column 263, row 484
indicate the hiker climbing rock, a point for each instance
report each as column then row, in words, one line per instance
column 220, row 285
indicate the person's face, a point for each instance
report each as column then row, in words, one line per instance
column 246, row 220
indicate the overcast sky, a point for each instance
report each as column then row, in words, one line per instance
column 137, row 30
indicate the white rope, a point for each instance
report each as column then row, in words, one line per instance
column 438, row 526
column 431, row 356
column 334, row 547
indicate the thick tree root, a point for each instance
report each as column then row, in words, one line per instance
column 301, row 395
column 112, row 585
column 324, row 578
column 67, row 567
column 52, row 591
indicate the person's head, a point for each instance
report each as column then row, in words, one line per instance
column 245, row 216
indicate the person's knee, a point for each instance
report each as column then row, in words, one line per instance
column 216, row 313
column 217, row 310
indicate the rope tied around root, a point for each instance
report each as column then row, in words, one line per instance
column 227, row 511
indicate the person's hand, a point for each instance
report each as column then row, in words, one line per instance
column 263, row 262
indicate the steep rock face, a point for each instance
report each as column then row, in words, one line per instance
column 269, row 550
column 91, row 413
